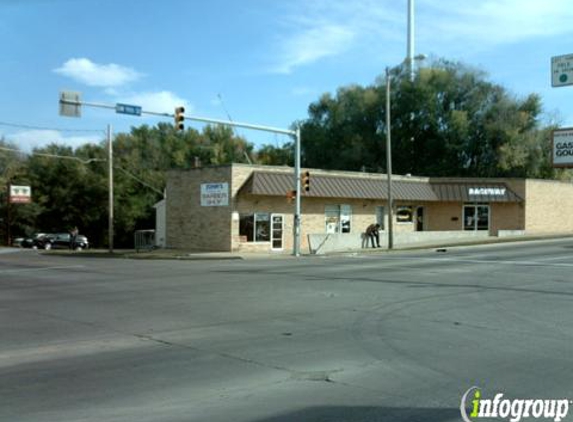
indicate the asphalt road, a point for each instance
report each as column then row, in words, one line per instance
column 389, row 337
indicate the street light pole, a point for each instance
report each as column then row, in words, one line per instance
column 410, row 53
column 389, row 164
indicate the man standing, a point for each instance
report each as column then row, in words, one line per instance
column 373, row 232
column 73, row 234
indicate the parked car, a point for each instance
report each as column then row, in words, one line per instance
column 28, row 242
column 17, row 242
column 61, row 241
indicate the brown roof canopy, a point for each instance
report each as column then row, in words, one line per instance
column 326, row 186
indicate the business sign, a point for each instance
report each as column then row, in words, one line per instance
column 20, row 194
column 214, row 194
column 132, row 110
column 562, row 150
column 486, row 191
column 562, row 70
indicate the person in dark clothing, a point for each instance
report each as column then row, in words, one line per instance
column 373, row 232
column 73, row 234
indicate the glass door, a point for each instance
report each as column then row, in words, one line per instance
column 469, row 217
column 476, row 217
column 277, row 228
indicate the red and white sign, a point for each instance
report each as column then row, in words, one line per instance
column 20, row 194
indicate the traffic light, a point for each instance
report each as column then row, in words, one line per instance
column 179, row 118
column 306, row 181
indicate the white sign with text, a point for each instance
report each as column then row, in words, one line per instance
column 563, row 148
column 214, row 194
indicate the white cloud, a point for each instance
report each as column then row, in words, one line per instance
column 313, row 44
column 30, row 139
column 160, row 102
column 93, row 74
column 312, row 31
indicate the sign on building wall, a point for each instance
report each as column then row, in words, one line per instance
column 562, row 148
column 486, row 191
column 20, row 194
column 214, row 194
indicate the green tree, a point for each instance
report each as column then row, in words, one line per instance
column 68, row 191
column 450, row 121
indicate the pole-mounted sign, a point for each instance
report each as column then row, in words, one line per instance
column 20, row 194
column 70, row 104
column 562, row 150
column 132, row 110
column 562, row 70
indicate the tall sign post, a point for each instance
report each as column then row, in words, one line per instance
column 562, row 139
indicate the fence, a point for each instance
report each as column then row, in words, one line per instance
column 144, row 240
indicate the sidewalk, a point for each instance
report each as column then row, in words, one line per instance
column 176, row 254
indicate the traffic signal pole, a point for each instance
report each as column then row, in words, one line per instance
column 134, row 110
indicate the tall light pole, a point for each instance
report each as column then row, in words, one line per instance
column 410, row 52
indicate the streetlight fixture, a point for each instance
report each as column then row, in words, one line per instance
column 389, row 154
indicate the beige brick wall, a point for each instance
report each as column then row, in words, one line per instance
column 548, row 207
column 506, row 216
column 444, row 216
column 189, row 225
column 449, row 216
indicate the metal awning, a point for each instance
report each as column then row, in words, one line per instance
column 326, row 186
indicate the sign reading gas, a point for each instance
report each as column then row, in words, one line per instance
column 563, row 148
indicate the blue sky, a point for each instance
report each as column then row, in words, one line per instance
column 267, row 60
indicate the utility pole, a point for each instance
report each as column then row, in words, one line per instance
column 8, row 215
column 110, row 187
column 389, row 164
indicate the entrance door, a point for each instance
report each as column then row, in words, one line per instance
column 420, row 219
column 277, row 228
column 476, row 217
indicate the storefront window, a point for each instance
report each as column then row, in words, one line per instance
column 255, row 227
column 404, row 214
column 262, row 227
column 338, row 218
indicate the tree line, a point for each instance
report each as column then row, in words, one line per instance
column 449, row 121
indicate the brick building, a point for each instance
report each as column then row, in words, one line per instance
column 244, row 208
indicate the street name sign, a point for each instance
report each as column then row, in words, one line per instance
column 562, row 70
column 128, row 109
